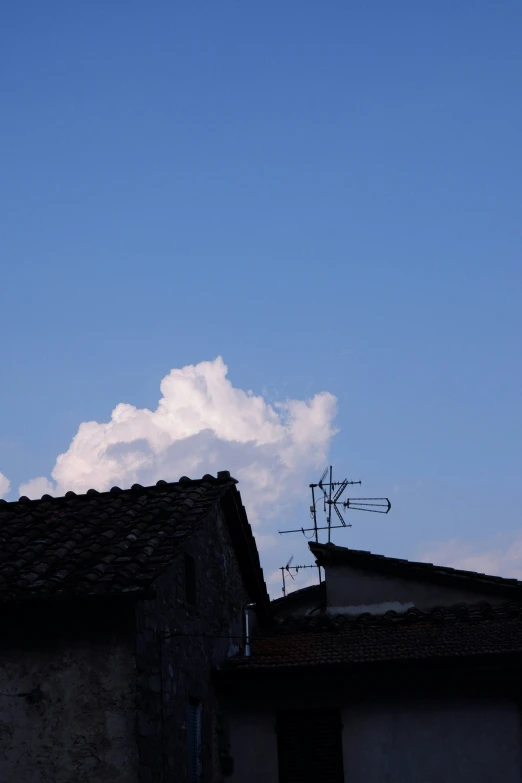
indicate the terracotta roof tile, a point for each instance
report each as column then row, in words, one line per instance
column 480, row 629
column 98, row 542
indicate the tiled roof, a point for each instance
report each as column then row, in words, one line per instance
column 317, row 591
column 439, row 633
column 326, row 554
column 100, row 543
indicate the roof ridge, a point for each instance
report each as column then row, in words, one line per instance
column 223, row 477
column 461, row 612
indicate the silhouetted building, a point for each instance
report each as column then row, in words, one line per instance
column 115, row 608
column 388, row 671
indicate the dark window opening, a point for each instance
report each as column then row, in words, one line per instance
column 309, row 746
column 190, row 580
column 194, row 740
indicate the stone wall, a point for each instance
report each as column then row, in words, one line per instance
column 107, row 698
column 177, row 646
column 66, row 709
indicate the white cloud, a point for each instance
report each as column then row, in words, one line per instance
column 4, row 485
column 37, row 487
column 202, row 424
column 499, row 556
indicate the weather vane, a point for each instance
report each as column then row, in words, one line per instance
column 330, row 494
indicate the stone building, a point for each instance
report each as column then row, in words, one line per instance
column 115, row 607
column 387, row 671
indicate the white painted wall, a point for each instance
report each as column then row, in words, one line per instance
column 466, row 741
column 351, row 587
column 460, row 741
column 253, row 742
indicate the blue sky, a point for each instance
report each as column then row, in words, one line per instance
column 327, row 195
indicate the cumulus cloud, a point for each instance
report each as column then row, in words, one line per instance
column 4, row 485
column 202, row 424
column 499, row 556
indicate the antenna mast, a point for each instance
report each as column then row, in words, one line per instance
column 331, row 497
column 331, row 493
column 289, row 568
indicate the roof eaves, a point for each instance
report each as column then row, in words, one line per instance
column 246, row 550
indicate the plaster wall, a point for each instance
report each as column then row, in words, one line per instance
column 455, row 741
column 67, row 712
column 253, row 746
column 462, row 741
column 348, row 588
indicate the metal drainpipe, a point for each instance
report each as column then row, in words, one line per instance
column 247, row 632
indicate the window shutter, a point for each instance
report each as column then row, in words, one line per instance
column 194, row 738
column 310, row 746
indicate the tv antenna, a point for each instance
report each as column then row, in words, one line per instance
column 330, row 494
column 289, row 568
